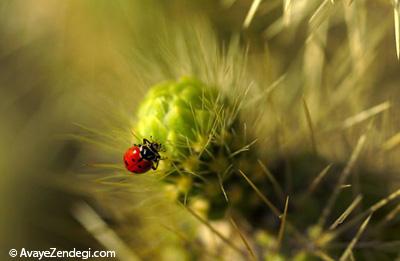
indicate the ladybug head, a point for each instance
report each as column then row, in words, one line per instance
column 156, row 146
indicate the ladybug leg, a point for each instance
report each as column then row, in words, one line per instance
column 158, row 157
column 156, row 166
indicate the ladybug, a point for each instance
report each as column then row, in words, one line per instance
column 142, row 157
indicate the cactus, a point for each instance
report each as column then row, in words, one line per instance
column 179, row 115
column 187, row 117
column 305, row 190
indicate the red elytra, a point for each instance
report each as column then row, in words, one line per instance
column 134, row 161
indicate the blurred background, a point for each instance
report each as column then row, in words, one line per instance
column 61, row 62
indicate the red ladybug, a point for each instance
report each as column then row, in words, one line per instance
column 143, row 157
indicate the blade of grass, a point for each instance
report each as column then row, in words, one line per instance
column 346, row 213
column 342, row 178
column 397, row 27
column 384, row 201
column 310, row 125
column 282, row 226
column 106, row 166
column 105, row 235
column 243, row 149
column 286, row 12
column 392, row 214
column 221, row 185
column 216, row 232
column 264, row 93
column 375, row 207
column 355, row 18
column 245, row 242
column 366, row 114
column 270, row 176
column 351, row 256
column 392, row 142
column 323, row 255
column 263, row 198
column 227, row 3
column 320, row 15
column 318, row 179
column 93, row 141
column 250, row 15
column 354, row 241
column 318, row 11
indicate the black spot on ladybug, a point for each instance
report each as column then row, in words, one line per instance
column 133, row 160
column 126, row 163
